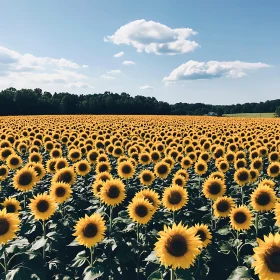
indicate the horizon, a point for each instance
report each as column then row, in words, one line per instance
column 188, row 52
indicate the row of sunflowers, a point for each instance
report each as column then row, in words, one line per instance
column 139, row 197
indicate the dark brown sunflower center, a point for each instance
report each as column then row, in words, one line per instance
column 145, row 158
column 113, row 192
column 93, row 156
column 60, row 165
column 179, row 182
column 162, row 169
column 176, row 245
column 98, row 188
column 201, row 234
column 103, row 167
column 186, row 162
column 223, row 206
column 274, row 157
column 4, row 226
column 200, row 167
column 14, row 161
column 214, row 188
column 75, row 155
column 49, row 146
column 230, row 157
column 56, row 154
column 10, row 208
column 147, row 177
column 174, row 197
column 155, row 156
column 35, row 158
column 118, row 151
column 65, row 177
column 60, row 191
column 243, row 176
column 126, row 169
column 204, row 157
column 272, row 259
column 82, row 167
column 274, row 169
column 257, row 164
column 43, row 206
column 141, row 211
column 25, row 179
column 104, row 178
column 6, row 153
column 150, row 199
column 90, row 230
column 239, row 217
column 253, row 174
column 3, row 171
column 52, row 166
column 223, row 166
column 240, row 164
column 263, row 199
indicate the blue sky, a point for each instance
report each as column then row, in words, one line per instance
column 219, row 52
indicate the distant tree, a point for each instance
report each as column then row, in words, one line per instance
column 277, row 111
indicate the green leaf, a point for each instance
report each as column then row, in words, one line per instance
column 152, row 258
column 223, row 231
column 74, row 243
column 16, row 245
column 156, row 275
column 225, row 248
column 21, row 273
column 92, row 273
column 80, row 259
column 40, row 243
column 241, row 272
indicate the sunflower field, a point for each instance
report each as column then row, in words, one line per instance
column 139, row 197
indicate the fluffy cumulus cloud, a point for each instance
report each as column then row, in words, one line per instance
column 195, row 70
column 154, row 37
column 120, row 54
column 146, row 87
column 108, row 77
column 128, row 62
column 78, row 85
column 113, row 72
column 27, row 70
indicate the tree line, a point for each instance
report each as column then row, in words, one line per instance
column 37, row 102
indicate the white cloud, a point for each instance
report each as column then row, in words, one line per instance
column 112, row 72
column 27, row 70
column 85, row 66
column 195, row 70
column 146, row 87
column 154, row 37
column 78, row 85
column 128, row 62
column 119, row 54
column 107, row 77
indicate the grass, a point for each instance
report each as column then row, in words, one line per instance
column 251, row 115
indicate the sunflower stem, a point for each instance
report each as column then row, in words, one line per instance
column 91, row 256
column 44, row 247
column 5, row 261
column 173, row 216
column 242, row 195
column 111, row 214
column 257, row 224
column 24, row 200
column 172, row 274
column 138, row 255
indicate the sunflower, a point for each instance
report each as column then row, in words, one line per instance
column 214, row 188
column 223, row 206
column 174, row 198
column 257, row 163
column 74, row 155
column 60, row 163
column 203, row 232
column 104, row 176
column 25, row 179
column 11, row 205
column 9, row 225
column 177, row 246
column 186, row 162
column 126, row 169
column 140, row 210
column 39, row 169
column 146, row 177
column 66, row 175
column 184, row 173
column 223, row 166
column 263, row 198
column 254, row 175
column 218, row 175
column 6, row 152
column 240, row 163
column 277, row 213
column 13, row 161
column 82, row 167
column 242, row 176
column 96, row 187
column 56, row 153
column 35, row 157
column 42, row 206
column 151, row 196
column 103, row 167
column 90, row 230
column 267, row 257
column 162, row 169
column 4, row 171
column 273, row 170
column 267, row 182
column 113, row 192
column 92, row 156
column 60, row 191
column 155, row 156
column 179, row 180
column 118, row 151
column 240, row 218
column 51, row 165
column 200, row 167
column 145, row 158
